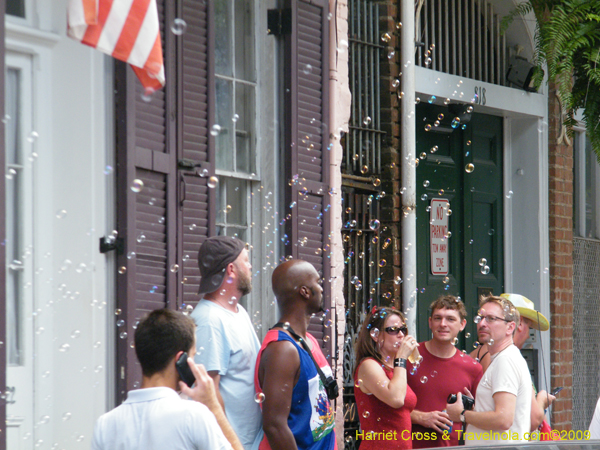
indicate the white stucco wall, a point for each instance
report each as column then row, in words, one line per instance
column 71, row 302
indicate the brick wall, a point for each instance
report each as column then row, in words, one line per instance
column 390, row 155
column 560, row 180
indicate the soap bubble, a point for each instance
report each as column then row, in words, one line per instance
column 423, row 379
column 485, row 269
column 212, row 182
column 469, row 168
column 374, row 333
column 178, row 27
column 259, row 397
column 215, row 130
column 374, row 224
column 137, row 185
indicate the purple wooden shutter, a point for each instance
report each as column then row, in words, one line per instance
column 196, row 99
column 307, row 145
column 146, row 220
column 2, row 237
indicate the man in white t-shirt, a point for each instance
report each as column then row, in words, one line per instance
column 503, row 406
column 225, row 331
column 155, row 417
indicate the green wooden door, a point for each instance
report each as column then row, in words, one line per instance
column 459, row 162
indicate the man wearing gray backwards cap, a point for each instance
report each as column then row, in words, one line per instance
column 226, row 342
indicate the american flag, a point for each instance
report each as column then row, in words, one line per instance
column 126, row 29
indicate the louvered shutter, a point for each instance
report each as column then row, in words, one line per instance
column 307, row 146
column 146, row 220
column 2, row 236
column 197, row 98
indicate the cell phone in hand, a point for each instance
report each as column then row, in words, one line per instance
column 184, row 370
column 556, row 390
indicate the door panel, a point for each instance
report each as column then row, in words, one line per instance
column 462, row 163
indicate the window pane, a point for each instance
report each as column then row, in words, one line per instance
column 224, row 114
column 237, row 196
column 590, row 191
column 223, row 54
column 15, row 267
column 245, row 125
column 244, row 40
column 15, row 8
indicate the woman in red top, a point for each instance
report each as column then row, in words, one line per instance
column 383, row 398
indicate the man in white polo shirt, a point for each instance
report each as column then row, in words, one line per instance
column 503, row 400
column 155, row 417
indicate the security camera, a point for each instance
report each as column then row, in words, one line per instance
column 520, row 73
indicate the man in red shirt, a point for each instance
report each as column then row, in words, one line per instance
column 444, row 370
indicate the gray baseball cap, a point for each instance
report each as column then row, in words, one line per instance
column 213, row 257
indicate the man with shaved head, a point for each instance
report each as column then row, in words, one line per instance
column 296, row 409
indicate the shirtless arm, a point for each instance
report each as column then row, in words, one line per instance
column 278, row 374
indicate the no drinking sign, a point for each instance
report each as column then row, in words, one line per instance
column 439, row 236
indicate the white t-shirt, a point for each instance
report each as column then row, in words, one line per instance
column 507, row 372
column 595, row 423
column 226, row 342
column 158, row 419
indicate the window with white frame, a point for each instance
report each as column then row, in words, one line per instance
column 247, row 137
column 15, row 8
column 586, row 182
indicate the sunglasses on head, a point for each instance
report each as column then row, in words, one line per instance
column 393, row 331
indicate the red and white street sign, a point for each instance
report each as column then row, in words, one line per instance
column 438, row 236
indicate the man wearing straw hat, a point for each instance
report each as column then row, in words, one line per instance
column 530, row 318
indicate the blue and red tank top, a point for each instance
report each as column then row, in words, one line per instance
column 311, row 417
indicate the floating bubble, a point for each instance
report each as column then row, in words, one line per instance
column 147, row 94
column 122, row 270
column 426, row 183
column 455, row 341
column 448, row 234
column 367, row 121
column 485, row 269
column 61, row 214
column 141, row 237
column 431, row 99
column 476, row 344
column 382, row 263
column 467, row 335
column 366, row 414
column 509, row 194
column 364, row 169
column 131, row 255
column 469, row 109
column 385, row 37
column 375, row 333
column 118, row 311
column 175, row 268
column 123, row 334
column 358, row 286
column 293, row 204
column 75, row 334
column 424, row 197
column 427, row 61
column 33, row 137
column 395, row 83
column 482, row 262
column 491, row 231
column 434, row 149
column 423, row 155
column 178, row 27
column 64, row 348
column 374, row 224
column 376, row 182
column 491, row 342
column 447, row 102
column 433, row 374
column 424, row 379
column 307, row 69
column 455, row 122
column 120, row 323
column 469, row 168
column 66, row 416
column 391, row 54
column 137, row 185
column 446, row 280
column 387, row 243
column 428, row 127
column 212, row 182
column 441, row 192
column 259, row 397
column 468, row 142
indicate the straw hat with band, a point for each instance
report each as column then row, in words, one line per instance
column 527, row 310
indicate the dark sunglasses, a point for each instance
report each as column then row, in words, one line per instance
column 393, row 331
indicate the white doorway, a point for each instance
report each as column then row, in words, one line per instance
column 20, row 313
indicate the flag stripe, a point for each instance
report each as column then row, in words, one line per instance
column 126, row 29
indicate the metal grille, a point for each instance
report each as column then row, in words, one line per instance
column 363, row 150
column 361, row 172
column 462, row 37
column 586, row 330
